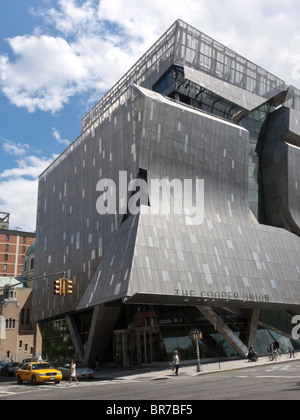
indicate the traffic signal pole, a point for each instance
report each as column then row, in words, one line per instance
column 61, row 274
column 62, row 286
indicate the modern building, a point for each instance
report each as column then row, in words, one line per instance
column 13, row 247
column 215, row 243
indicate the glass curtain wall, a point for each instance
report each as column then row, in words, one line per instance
column 146, row 335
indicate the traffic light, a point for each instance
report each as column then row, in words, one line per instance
column 58, row 287
column 63, row 287
column 68, row 288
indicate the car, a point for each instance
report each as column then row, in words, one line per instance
column 9, row 369
column 38, row 372
column 82, row 371
column 15, row 368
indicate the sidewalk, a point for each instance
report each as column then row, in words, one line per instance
column 157, row 373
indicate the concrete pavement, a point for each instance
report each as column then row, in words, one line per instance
column 156, row 373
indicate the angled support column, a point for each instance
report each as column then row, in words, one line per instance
column 224, row 330
column 252, row 328
column 102, row 325
column 75, row 336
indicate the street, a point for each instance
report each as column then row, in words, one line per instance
column 274, row 382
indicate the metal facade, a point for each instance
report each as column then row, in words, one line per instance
column 249, row 155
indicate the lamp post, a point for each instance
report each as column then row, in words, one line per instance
column 197, row 335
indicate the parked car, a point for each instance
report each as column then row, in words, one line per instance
column 82, row 371
column 8, row 369
column 14, row 370
column 38, row 372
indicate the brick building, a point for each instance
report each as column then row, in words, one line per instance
column 19, row 336
column 13, row 247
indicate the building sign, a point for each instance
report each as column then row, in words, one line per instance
column 246, row 297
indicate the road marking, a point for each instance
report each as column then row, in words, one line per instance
column 277, row 377
column 27, row 388
column 6, row 392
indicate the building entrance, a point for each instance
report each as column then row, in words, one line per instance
column 134, row 348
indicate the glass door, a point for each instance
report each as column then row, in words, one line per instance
column 144, row 345
column 133, row 348
column 123, row 354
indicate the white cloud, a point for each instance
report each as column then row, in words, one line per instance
column 15, row 149
column 71, row 18
column 18, row 191
column 57, row 136
column 29, row 166
column 47, row 72
column 87, row 45
column 3, row 67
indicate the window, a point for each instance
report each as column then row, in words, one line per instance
column 10, row 323
column 28, row 316
column 20, row 344
column 5, row 257
column 7, row 237
column 23, row 249
column 22, row 316
column 6, row 247
column 24, row 239
column 4, row 267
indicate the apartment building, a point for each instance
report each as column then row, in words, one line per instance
column 13, row 247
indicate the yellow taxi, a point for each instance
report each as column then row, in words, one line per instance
column 38, row 372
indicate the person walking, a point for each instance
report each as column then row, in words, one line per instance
column 73, row 376
column 176, row 362
column 277, row 347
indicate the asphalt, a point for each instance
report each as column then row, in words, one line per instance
column 158, row 373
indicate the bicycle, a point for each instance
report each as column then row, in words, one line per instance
column 273, row 356
column 290, row 353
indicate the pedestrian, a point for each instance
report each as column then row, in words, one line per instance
column 97, row 361
column 176, row 362
column 73, row 376
column 277, row 347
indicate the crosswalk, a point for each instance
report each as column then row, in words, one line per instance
column 274, row 372
column 9, row 389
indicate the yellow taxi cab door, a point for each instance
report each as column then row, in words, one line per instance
column 26, row 372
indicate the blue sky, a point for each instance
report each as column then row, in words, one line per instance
column 58, row 58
